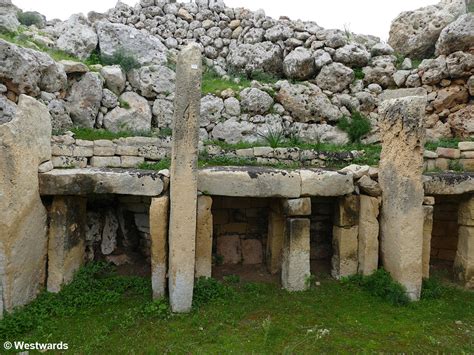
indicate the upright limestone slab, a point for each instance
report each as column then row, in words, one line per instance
column 25, row 144
column 183, row 182
column 427, row 231
column 368, row 234
column 204, row 237
column 400, row 177
column 345, row 244
column 296, row 258
column 275, row 238
column 159, row 213
column 66, row 242
column 464, row 261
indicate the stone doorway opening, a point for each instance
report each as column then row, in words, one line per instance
column 118, row 231
column 240, row 233
column 321, row 232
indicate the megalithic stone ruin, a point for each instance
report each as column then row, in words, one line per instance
column 400, row 177
column 183, row 183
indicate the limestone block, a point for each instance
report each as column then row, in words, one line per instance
column 464, row 261
column 130, row 161
column 105, row 162
column 276, row 229
column 66, row 240
column 345, row 251
column 80, row 151
column 297, row 207
column 325, row 183
column 204, row 225
column 467, row 164
column 69, row 162
column 105, row 151
column 448, row 184
column 368, row 235
column 400, row 177
column 296, row 255
column 427, row 230
column 45, row 167
column 127, row 150
column 466, row 213
column 448, row 153
column 159, row 213
column 184, row 176
column 251, row 251
column 347, row 211
column 229, row 249
column 466, row 146
column 25, row 143
column 442, row 164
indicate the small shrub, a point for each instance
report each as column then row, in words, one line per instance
column 431, row 289
column 356, row 127
column 208, row 290
column 123, row 58
column 381, row 285
column 29, row 18
column 94, row 58
column 158, row 308
column 455, row 165
column 274, row 137
column 166, row 132
column 359, row 74
column 232, row 279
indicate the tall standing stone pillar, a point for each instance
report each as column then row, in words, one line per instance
column 345, row 237
column 368, row 234
column 400, row 177
column 67, row 237
column 204, row 237
column 183, row 182
column 159, row 214
column 464, row 261
column 427, row 231
column 276, row 230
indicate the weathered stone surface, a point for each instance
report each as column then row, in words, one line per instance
column 115, row 38
column 335, row 77
column 427, row 231
column 184, row 178
column 345, row 253
column 368, row 235
column 100, row 181
column 66, row 240
column 352, row 55
column 347, row 211
column 255, row 101
column 135, row 117
column 462, row 122
column 163, row 113
column 316, row 182
column 369, row 186
column 229, row 249
column 296, row 258
column 211, row 110
column 457, row 36
column 401, row 167
column 264, row 56
column 74, row 67
column 159, row 213
column 109, row 233
column 26, row 71
column 204, row 237
column 83, row 100
column 249, row 182
column 275, row 238
column 464, row 261
column 448, row 183
column 77, row 37
column 299, row 64
column 153, row 80
column 252, row 253
column 297, row 207
column 25, row 142
column 114, row 78
column 8, row 18
column 414, row 33
column 7, row 110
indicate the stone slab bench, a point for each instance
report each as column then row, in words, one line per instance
column 448, row 183
column 102, row 181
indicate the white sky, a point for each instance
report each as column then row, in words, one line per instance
column 361, row 16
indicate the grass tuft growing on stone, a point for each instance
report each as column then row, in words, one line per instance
column 92, row 134
column 161, row 165
column 356, row 127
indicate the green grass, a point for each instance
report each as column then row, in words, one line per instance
column 92, row 134
column 212, row 83
column 161, row 165
column 445, row 143
column 356, row 127
column 104, row 313
column 470, row 7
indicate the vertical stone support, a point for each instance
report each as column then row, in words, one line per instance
column 427, row 230
column 368, row 234
column 159, row 215
column 66, row 243
column 464, row 261
column 204, row 237
column 345, row 237
column 296, row 248
column 183, row 182
column 275, row 238
column 400, row 177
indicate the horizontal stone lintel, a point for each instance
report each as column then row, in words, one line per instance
column 448, row 183
column 101, row 181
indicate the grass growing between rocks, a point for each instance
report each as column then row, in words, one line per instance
column 101, row 312
column 92, row 134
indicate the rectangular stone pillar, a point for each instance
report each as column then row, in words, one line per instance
column 400, row 178
column 183, row 178
column 296, row 258
column 368, row 234
column 204, row 237
column 345, row 237
column 66, row 241
column 276, row 230
column 159, row 215
column 464, row 261
column 427, row 230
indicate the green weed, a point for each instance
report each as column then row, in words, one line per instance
column 356, row 127
column 207, row 290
